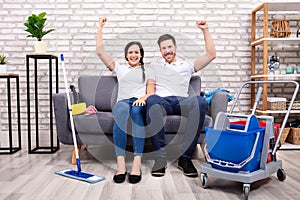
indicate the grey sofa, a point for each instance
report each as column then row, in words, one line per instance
column 101, row 91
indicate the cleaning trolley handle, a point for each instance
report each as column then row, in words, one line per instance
column 288, row 109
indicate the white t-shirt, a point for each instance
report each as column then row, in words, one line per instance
column 172, row 79
column 130, row 80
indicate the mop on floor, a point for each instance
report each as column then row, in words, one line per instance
column 75, row 174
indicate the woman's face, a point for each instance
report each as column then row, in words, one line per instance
column 133, row 55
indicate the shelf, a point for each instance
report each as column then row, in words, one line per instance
column 289, row 146
column 283, row 6
column 276, row 111
column 274, row 41
column 277, row 76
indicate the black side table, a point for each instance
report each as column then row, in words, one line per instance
column 52, row 148
column 12, row 148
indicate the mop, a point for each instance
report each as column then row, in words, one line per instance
column 78, row 175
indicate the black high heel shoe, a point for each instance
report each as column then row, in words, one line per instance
column 135, row 178
column 120, row 178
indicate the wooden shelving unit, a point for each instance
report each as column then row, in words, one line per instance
column 262, row 38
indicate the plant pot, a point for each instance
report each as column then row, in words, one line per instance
column 2, row 69
column 40, row 46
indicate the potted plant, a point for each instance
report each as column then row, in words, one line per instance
column 3, row 64
column 35, row 26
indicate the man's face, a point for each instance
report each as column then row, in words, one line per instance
column 168, row 51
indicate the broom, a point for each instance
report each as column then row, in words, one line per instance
column 79, row 175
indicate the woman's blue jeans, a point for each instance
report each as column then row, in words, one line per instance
column 124, row 112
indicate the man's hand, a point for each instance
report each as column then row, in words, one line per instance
column 202, row 24
column 102, row 21
column 139, row 102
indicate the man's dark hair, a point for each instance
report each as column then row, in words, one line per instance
column 166, row 37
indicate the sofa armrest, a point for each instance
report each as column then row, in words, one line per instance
column 62, row 119
column 219, row 103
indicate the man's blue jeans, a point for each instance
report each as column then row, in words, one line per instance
column 192, row 108
column 123, row 111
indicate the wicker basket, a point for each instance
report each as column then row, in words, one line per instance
column 280, row 29
column 284, row 135
column 276, row 103
column 295, row 106
column 294, row 136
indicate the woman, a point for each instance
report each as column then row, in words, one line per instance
column 134, row 81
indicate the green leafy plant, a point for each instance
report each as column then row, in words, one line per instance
column 35, row 26
column 2, row 59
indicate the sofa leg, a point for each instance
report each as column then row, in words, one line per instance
column 74, row 154
column 84, row 147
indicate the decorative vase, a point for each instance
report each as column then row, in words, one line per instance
column 40, row 46
column 2, row 69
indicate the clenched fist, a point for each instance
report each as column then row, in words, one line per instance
column 202, row 24
column 102, row 21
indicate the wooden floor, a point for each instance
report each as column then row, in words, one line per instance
column 31, row 176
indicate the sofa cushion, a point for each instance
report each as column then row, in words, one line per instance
column 99, row 123
column 100, row 91
column 174, row 123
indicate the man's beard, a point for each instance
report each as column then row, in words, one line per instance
column 171, row 54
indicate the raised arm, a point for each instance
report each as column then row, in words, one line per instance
column 204, row 60
column 106, row 59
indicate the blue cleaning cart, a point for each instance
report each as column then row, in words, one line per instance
column 239, row 152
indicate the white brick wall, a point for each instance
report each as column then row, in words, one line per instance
column 76, row 23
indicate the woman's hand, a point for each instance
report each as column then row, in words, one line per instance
column 139, row 102
column 102, row 21
column 90, row 110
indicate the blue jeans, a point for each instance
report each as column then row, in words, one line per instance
column 192, row 108
column 122, row 112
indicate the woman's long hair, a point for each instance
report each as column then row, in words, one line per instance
column 142, row 54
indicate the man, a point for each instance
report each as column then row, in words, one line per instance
column 171, row 97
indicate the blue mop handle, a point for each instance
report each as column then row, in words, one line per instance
column 78, row 165
column 62, row 58
column 70, row 113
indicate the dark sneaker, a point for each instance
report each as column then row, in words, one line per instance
column 159, row 167
column 187, row 166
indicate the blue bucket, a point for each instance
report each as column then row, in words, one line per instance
column 235, row 145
